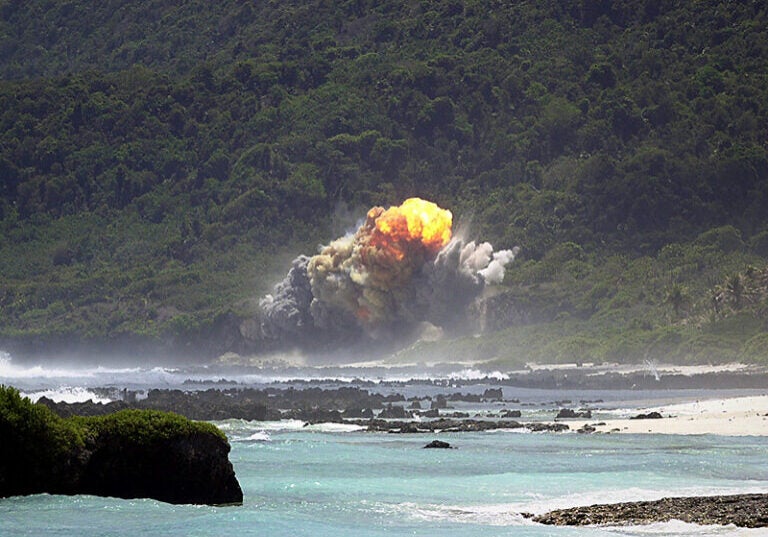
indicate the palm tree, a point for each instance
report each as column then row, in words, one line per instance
column 735, row 288
column 676, row 297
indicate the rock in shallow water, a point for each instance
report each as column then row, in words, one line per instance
column 438, row 444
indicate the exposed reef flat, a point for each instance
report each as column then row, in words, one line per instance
column 743, row 510
column 372, row 411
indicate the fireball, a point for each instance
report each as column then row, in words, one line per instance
column 416, row 223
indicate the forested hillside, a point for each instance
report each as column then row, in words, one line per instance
column 161, row 162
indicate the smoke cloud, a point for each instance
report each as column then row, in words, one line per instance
column 400, row 271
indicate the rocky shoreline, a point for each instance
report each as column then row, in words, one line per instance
column 430, row 406
column 374, row 412
column 742, row 510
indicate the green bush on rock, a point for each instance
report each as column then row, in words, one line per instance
column 129, row 454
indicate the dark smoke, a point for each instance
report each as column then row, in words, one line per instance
column 319, row 303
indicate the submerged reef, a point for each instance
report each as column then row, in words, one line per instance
column 128, row 454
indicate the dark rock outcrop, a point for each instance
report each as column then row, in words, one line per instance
column 185, row 468
column 128, row 454
column 743, row 510
column 358, row 413
column 446, row 425
column 438, row 444
column 547, row 427
column 570, row 413
column 439, row 402
column 493, row 394
column 648, row 416
column 395, row 412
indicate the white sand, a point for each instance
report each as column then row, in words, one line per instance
column 740, row 416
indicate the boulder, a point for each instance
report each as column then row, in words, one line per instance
column 438, row 444
column 570, row 413
column 366, row 413
column 547, row 427
column 649, row 416
column 394, row 412
column 439, row 402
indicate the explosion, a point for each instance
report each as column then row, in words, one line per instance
column 400, row 269
column 418, row 222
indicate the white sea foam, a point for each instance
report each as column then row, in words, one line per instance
column 9, row 370
column 682, row 529
column 43, row 376
column 84, row 376
column 477, row 374
column 283, row 425
column 489, row 514
column 333, row 428
column 238, row 428
column 67, row 394
column 258, row 436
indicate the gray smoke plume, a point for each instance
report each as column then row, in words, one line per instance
column 374, row 286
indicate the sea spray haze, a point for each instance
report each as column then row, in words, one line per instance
column 400, row 272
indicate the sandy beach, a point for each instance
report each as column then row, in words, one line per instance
column 740, row 416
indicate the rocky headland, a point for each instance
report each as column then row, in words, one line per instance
column 127, row 454
column 742, row 510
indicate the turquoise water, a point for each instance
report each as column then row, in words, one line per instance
column 331, row 481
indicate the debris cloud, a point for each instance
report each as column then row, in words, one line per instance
column 400, row 270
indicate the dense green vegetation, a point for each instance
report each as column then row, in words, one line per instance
column 675, row 306
column 43, row 452
column 161, row 163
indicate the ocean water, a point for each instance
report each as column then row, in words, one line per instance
column 336, row 480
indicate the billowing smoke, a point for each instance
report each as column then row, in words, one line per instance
column 400, row 271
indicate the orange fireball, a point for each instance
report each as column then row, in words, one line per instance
column 415, row 223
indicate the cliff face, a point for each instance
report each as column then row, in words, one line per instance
column 191, row 468
column 128, row 454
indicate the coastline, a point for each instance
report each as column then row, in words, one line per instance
column 738, row 416
column 724, row 399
